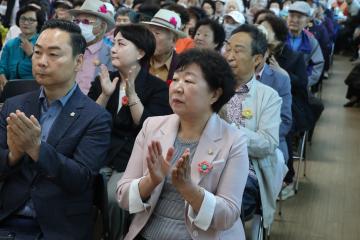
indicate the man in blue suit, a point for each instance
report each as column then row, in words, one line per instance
column 52, row 144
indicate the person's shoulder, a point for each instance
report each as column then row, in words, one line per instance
column 90, row 106
column 230, row 131
column 154, row 81
column 265, row 91
column 12, row 42
column 161, row 120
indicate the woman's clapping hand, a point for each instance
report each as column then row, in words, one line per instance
column 158, row 167
column 181, row 173
column 107, row 86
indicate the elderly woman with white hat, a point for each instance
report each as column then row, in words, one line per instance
column 95, row 18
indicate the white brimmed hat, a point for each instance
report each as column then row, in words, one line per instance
column 167, row 19
column 237, row 16
column 98, row 9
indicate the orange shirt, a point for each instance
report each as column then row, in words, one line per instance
column 184, row 43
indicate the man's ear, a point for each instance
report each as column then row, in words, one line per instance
column 79, row 59
column 258, row 59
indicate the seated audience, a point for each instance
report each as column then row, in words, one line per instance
column 94, row 19
column 255, row 110
column 300, row 40
column 187, row 42
column 131, row 95
column 53, row 143
column 219, row 11
column 187, row 172
column 15, row 61
column 165, row 26
column 293, row 63
column 209, row 7
column 61, row 9
column 232, row 21
column 234, row 5
column 209, row 34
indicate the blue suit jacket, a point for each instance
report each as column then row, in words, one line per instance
column 281, row 83
column 60, row 182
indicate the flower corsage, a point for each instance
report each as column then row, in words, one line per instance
column 204, row 167
column 247, row 113
column 124, row 101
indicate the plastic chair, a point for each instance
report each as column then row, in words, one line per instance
column 18, row 86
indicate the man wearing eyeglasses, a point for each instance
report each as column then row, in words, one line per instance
column 95, row 19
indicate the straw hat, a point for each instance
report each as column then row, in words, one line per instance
column 167, row 19
column 98, row 9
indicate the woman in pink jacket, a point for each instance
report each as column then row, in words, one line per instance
column 187, row 172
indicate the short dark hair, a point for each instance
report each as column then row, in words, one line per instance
column 40, row 16
column 141, row 37
column 262, row 11
column 197, row 13
column 215, row 69
column 259, row 42
column 77, row 41
column 211, row 3
column 279, row 27
column 217, row 28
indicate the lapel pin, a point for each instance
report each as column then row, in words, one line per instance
column 210, row 151
column 72, row 114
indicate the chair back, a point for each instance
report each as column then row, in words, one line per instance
column 18, row 86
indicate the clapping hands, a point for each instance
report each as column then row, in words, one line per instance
column 159, row 167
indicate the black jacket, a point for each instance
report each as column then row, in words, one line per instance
column 294, row 64
column 153, row 94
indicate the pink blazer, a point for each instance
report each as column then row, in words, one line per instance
column 222, row 145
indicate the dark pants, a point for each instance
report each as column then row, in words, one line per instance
column 250, row 199
column 290, row 164
column 20, row 228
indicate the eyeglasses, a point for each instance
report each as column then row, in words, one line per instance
column 27, row 20
column 83, row 21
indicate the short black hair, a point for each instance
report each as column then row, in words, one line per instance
column 40, row 16
column 259, row 42
column 77, row 41
column 141, row 37
column 279, row 27
column 197, row 13
column 211, row 3
column 217, row 28
column 215, row 69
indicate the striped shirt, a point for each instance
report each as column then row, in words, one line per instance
column 168, row 219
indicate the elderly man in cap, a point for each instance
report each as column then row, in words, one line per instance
column 95, row 19
column 300, row 40
column 165, row 26
column 61, row 9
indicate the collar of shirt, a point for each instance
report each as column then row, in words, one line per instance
column 246, row 88
column 166, row 64
column 63, row 100
column 93, row 48
column 259, row 74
